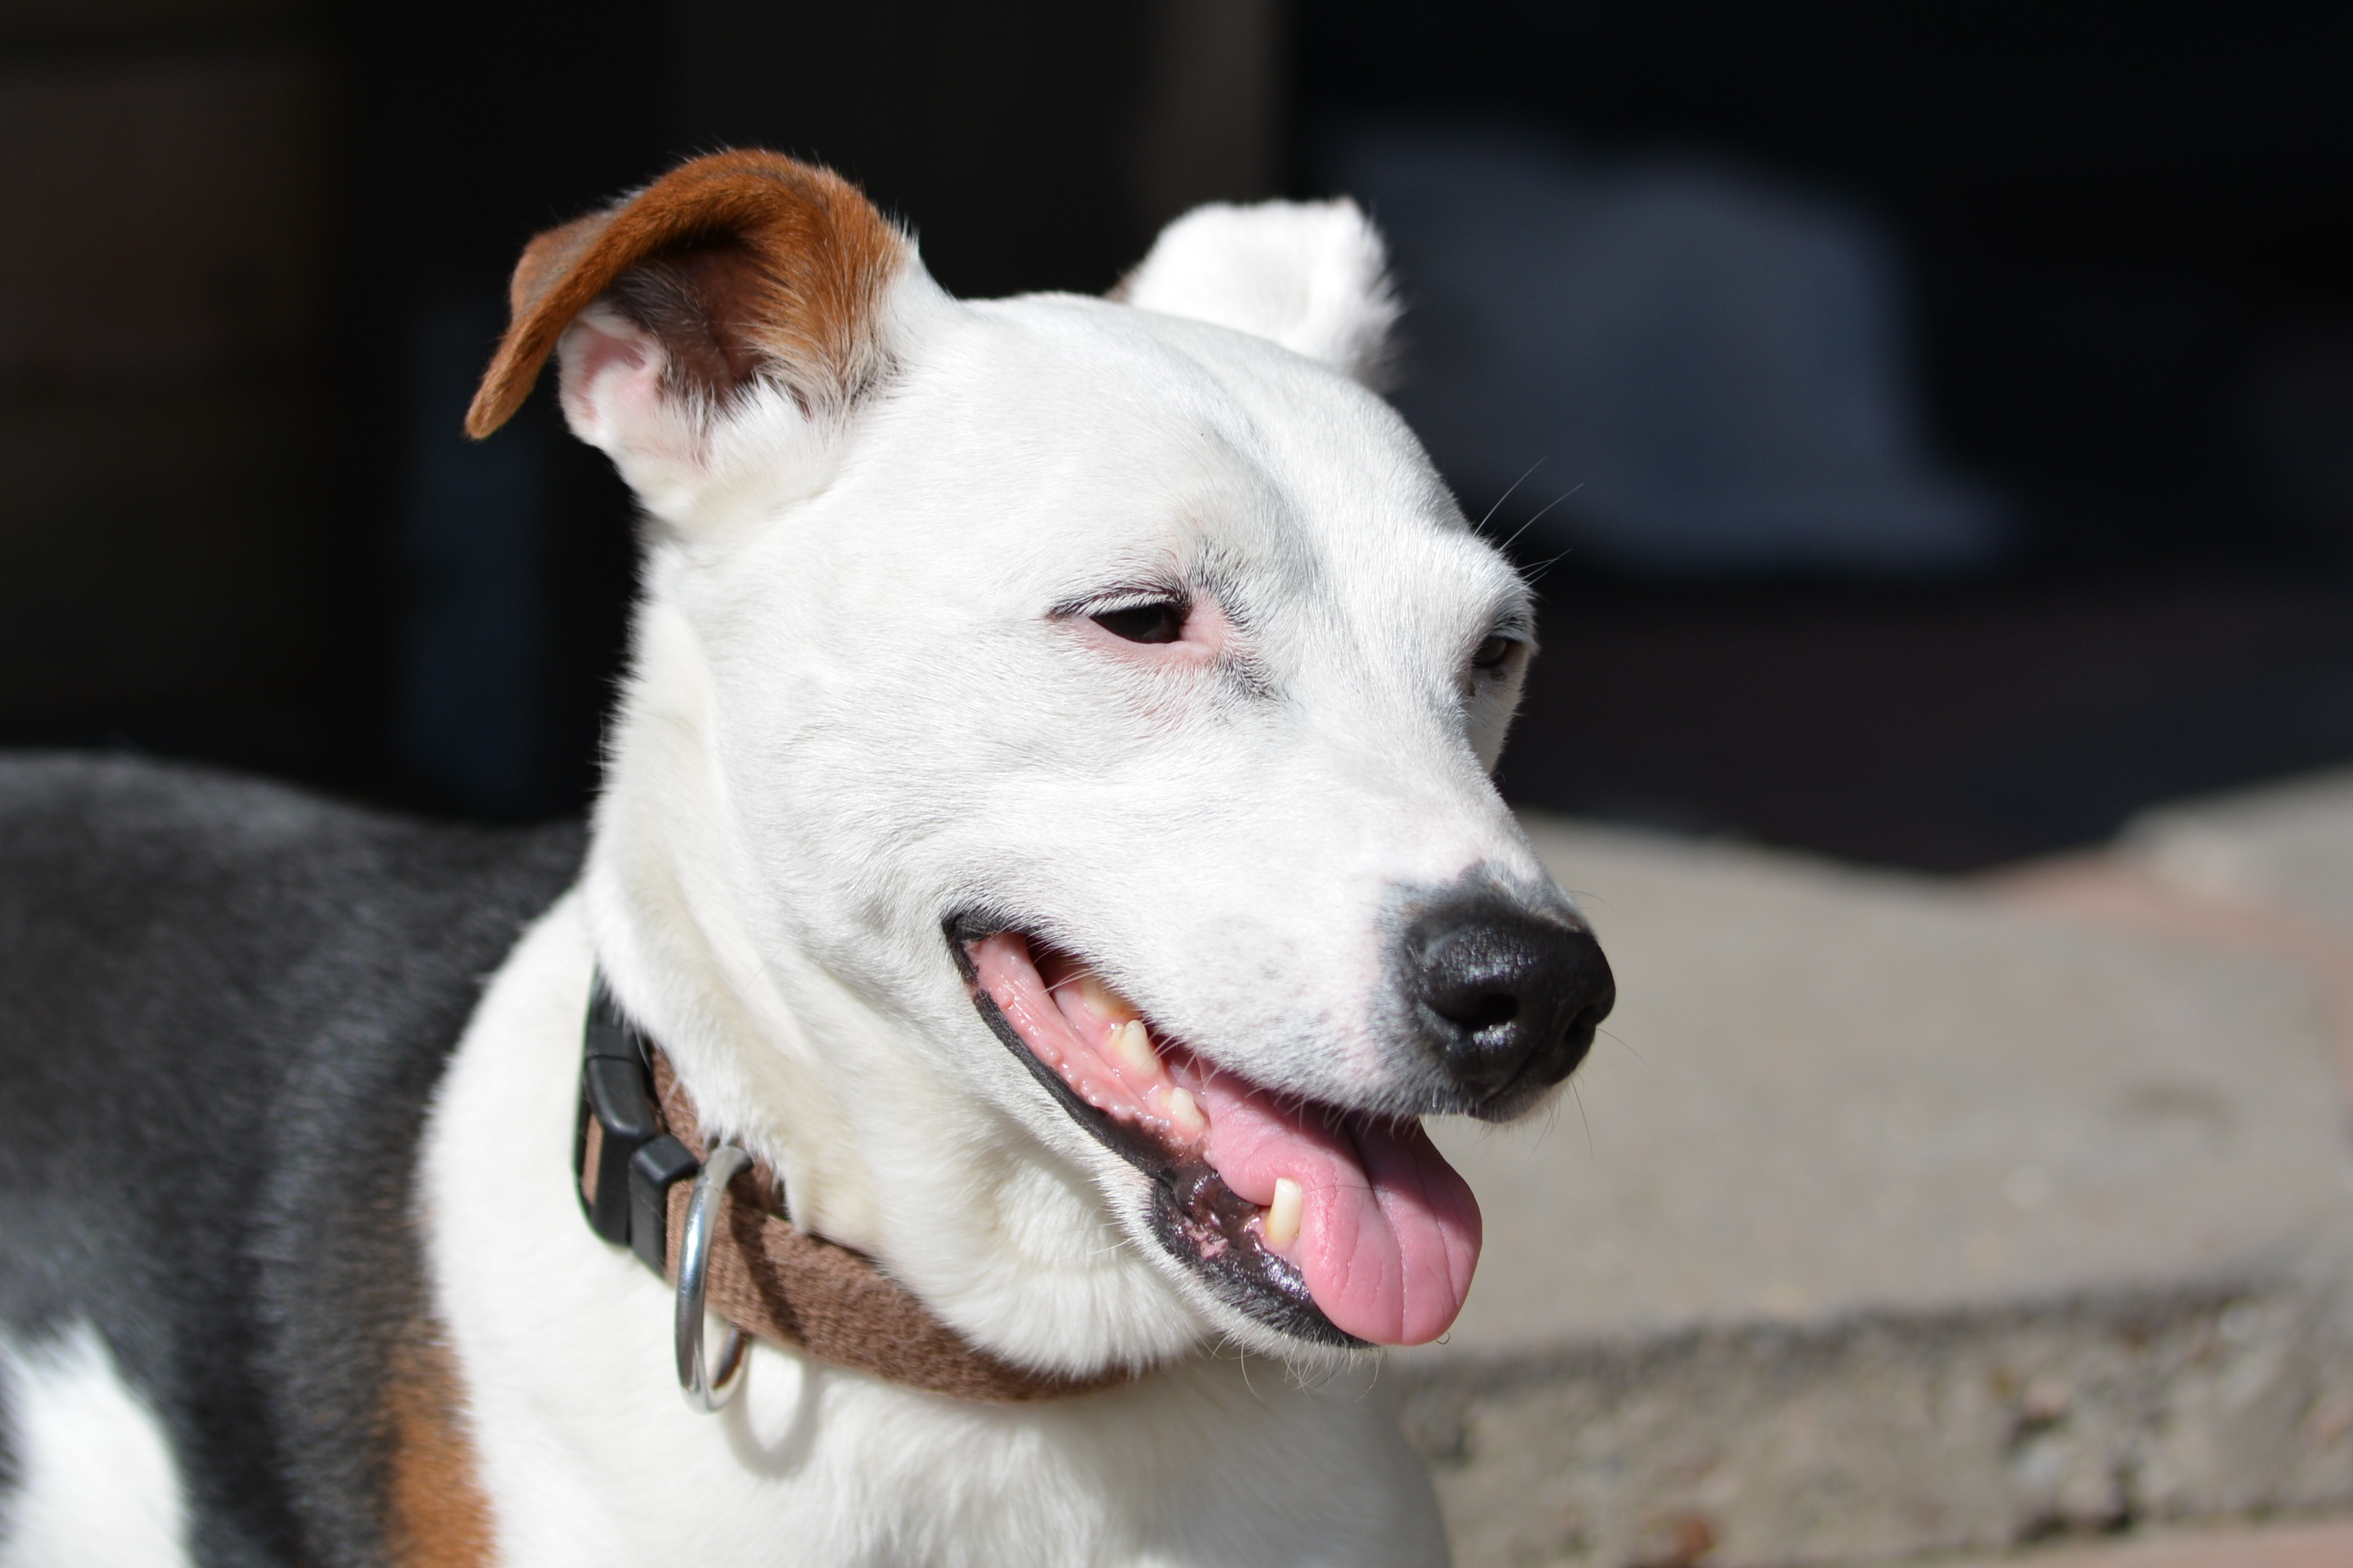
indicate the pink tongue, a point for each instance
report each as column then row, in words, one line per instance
column 1390, row 1234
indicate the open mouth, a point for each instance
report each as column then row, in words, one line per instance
column 1330, row 1225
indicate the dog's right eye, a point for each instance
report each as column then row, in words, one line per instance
column 1160, row 622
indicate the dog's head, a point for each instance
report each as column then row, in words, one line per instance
column 1050, row 814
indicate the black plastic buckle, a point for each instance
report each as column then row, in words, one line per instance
column 637, row 1161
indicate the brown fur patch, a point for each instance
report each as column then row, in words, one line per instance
column 437, row 1515
column 743, row 263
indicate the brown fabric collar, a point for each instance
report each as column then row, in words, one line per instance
column 637, row 1151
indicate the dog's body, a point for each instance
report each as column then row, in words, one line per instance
column 224, row 1007
column 1046, row 824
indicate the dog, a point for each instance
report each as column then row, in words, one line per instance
column 1047, row 865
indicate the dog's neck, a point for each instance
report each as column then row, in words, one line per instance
column 665, row 915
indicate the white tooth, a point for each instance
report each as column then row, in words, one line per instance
column 1283, row 1215
column 1102, row 1001
column 1131, row 1044
column 1185, row 1112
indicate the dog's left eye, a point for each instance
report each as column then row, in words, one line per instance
column 1160, row 622
column 1491, row 653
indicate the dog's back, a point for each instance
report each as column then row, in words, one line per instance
column 224, row 1006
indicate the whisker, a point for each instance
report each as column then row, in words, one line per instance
column 1551, row 1122
column 1535, row 572
column 1539, row 517
column 1499, row 500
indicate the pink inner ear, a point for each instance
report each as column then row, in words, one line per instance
column 612, row 376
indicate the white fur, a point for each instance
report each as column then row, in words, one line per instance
column 853, row 709
column 1311, row 276
column 96, row 1484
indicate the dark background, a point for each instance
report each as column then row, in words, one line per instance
column 258, row 250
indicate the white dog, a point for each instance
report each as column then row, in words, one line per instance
column 1048, row 829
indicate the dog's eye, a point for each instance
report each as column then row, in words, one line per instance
column 1491, row 653
column 1161, row 622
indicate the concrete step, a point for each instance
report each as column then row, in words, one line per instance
column 2305, row 1544
column 1894, row 1217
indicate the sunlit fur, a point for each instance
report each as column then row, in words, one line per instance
column 852, row 710
column 94, row 1478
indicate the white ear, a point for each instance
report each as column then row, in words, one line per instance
column 1312, row 276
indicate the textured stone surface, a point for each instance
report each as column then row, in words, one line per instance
column 1894, row 1436
column 2302, row 1544
column 1897, row 1218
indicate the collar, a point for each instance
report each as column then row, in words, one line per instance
column 636, row 1150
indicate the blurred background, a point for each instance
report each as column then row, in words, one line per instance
column 1930, row 423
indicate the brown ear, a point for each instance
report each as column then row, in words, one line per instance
column 740, row 264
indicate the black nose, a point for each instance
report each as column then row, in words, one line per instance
column 1509, row 998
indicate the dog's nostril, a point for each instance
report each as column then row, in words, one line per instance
column 1479, row 1011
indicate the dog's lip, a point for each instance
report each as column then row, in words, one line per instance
column 1382, row 1234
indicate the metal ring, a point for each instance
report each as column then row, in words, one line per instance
column 703, row 1392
